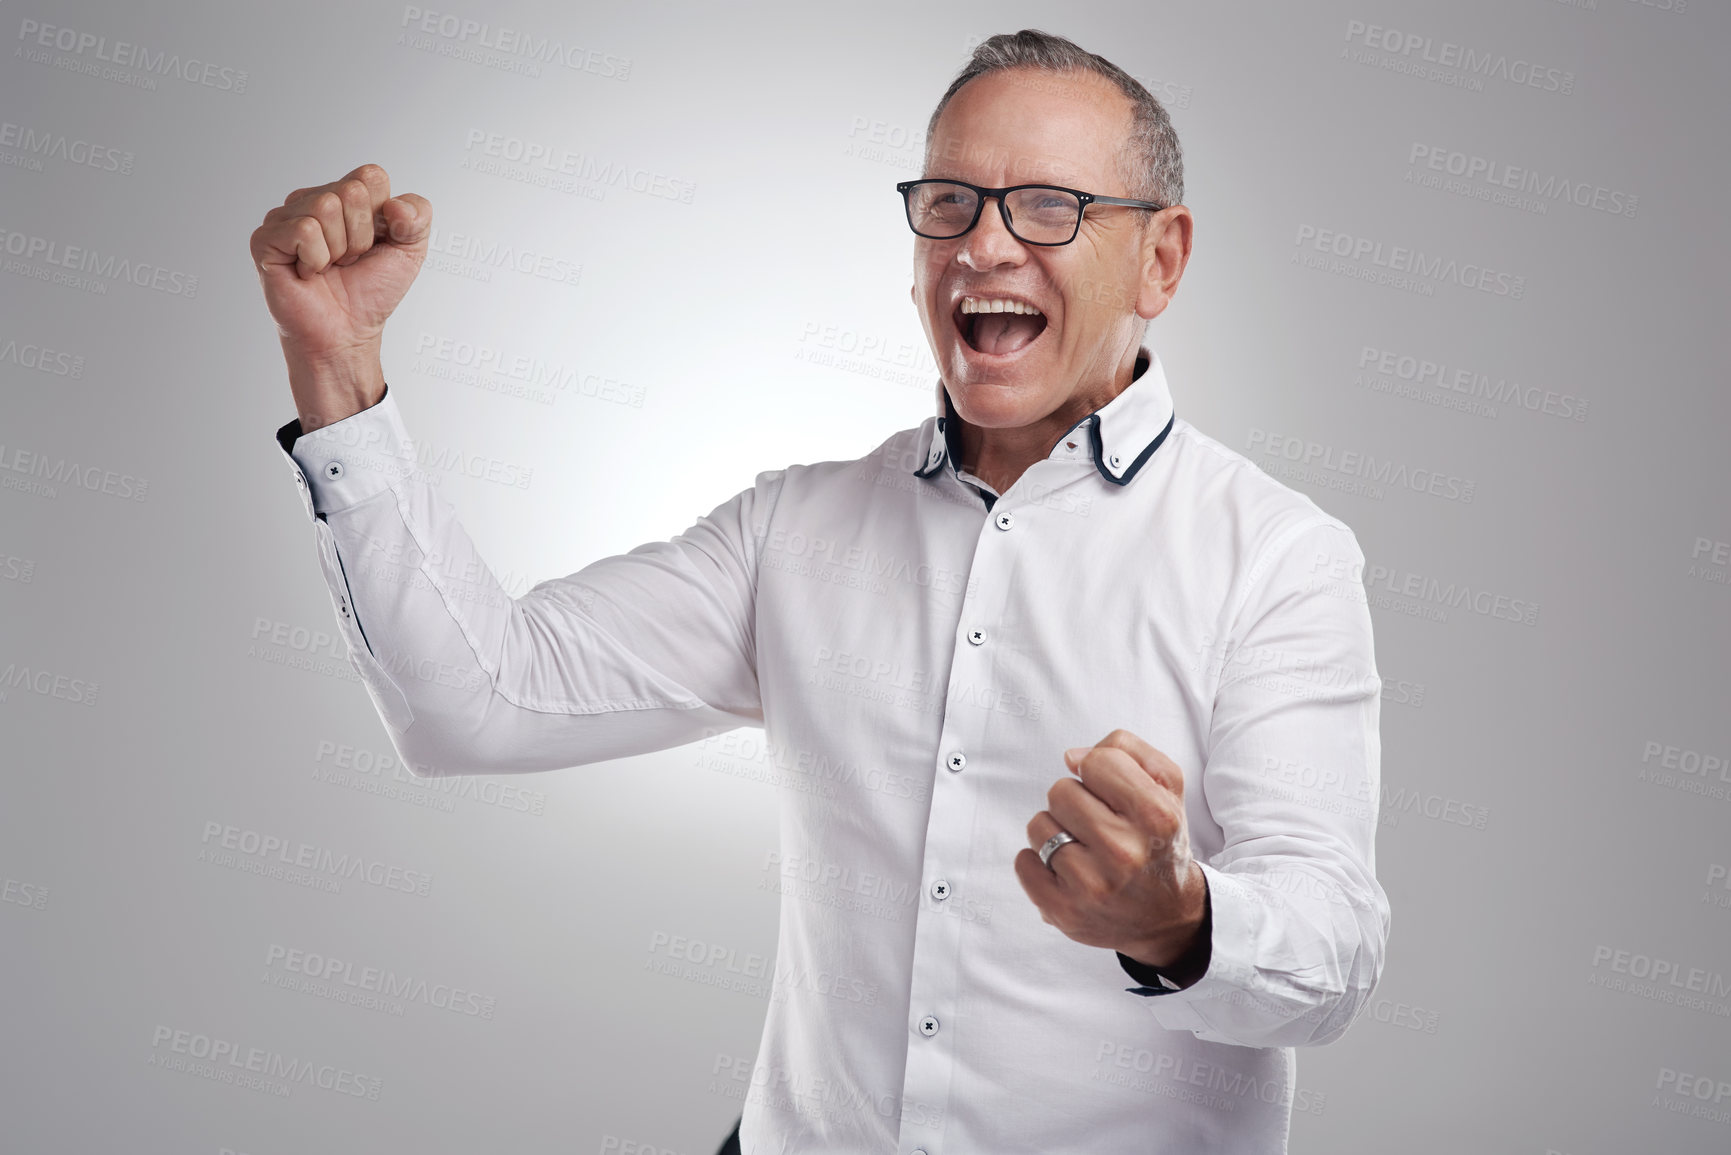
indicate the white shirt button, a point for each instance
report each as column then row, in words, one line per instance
column 300, row 479
column 957, row 760
column 977, row 637
column 1114, row 461
column 1004, row 520
column 941, row 889
column 334, row 470
column 929, row 1025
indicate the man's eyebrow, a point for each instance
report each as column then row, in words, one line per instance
column 1063, row 180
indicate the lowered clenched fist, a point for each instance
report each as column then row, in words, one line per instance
column 1127, row 881
column 335, row 260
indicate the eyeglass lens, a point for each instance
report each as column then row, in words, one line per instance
column 1042, row 215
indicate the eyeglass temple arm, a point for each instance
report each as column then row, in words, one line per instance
column 1100, row 200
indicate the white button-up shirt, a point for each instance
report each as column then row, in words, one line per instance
column 919, row 651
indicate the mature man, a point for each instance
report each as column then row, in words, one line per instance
column 1066, row 580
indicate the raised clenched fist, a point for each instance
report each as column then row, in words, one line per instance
column 335, row 260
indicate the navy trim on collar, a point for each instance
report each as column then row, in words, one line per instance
column 1141, row 458
column 937, row 462
column 949, row 427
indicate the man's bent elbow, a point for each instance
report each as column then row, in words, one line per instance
column 1343, row 1007
column 443, row 747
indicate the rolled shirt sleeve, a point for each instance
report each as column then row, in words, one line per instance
column 636, row 652
column 1299, row 923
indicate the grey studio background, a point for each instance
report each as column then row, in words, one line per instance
column 1459, row 275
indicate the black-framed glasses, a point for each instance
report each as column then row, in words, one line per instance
column 1035, row 214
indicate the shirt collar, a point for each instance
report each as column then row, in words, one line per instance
column 1122, row 434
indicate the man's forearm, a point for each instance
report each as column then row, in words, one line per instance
column 636, row 652
column 1181, row 958
column 328, row 387
column 1178, row 945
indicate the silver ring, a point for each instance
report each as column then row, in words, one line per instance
column 1051, row 846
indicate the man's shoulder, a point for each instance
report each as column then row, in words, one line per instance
column 1260, row 511
column 831, row 488
column 901, row 452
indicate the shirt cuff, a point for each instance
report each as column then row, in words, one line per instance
column 1231, row 965
column 1154, row 980
column 346, row 462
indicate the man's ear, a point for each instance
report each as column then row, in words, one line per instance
column 1165, row 253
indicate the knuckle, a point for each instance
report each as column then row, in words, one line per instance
column 371, row 173
column 1120, row 856
column 356, row 192
column 1157, row 835
column 327, row 202
column 1114, row 757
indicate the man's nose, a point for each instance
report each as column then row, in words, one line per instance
column 989, row 244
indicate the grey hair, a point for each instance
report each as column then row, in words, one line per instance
column 1152, row 163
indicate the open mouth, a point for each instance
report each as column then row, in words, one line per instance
column 998, row 326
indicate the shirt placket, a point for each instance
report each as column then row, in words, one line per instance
column 934, row 1030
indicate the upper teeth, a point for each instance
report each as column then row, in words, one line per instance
column 997, row 305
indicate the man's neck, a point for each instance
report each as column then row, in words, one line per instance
column 999, row 457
